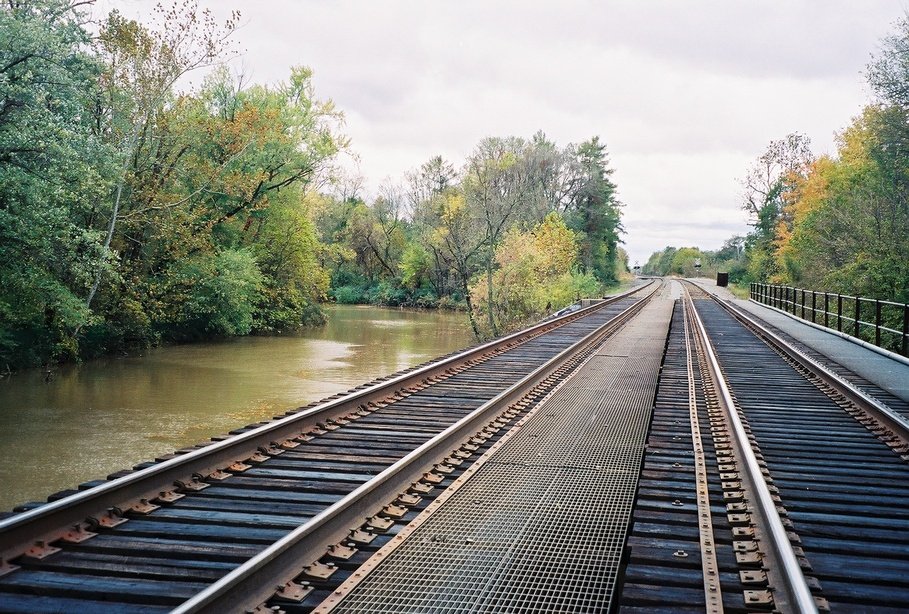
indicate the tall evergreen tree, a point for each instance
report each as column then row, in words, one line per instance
column 596, row 212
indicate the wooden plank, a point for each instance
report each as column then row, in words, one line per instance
column 127, row 590
column 12, row 603
column 156, row 547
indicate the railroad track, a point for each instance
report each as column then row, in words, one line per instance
column 278, row 500
column 867, row 388
column 770, row 481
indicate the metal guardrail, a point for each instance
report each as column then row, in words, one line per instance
column 883, row 323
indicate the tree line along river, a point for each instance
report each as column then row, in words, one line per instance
column 93, row 419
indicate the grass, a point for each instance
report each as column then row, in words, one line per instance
column 739, row 290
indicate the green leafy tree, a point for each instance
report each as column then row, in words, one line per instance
column 496, row 184
column 54, row 169
column 659, row 263
column 427, row 187
column 214, row 295
column 288, row 250
column 851, row 214
column 141, row 68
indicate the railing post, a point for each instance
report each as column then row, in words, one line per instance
column 803, row 303
column 858, row 316
column 877, row 322
column 906, row 330
column 826, row 309
column 839, row 312
column 813, row 307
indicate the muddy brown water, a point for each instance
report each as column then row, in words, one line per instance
column 105, row 415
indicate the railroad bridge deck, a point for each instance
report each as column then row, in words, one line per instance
column 657, row 451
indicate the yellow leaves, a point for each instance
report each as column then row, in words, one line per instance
column 507, row 161
column 551, row 247
column 557, row 245
column 857, row 139
column 123, row 38
column 826, row 219
column 453, row 206
column 809, row 192
column 438, row 235
column 535, row 267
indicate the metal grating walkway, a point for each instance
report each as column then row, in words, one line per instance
column 540, row 526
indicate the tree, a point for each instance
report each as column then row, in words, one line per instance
column 431, row 179
column 888, row 72
column 536, row 273
column 427, row 187
column 659, row 262
column 851, row 213
column 460, row 236
column 54, row 167
column 287, row 250
column 231, row 169
column 684, row 261
column 768, row 186
column 496, row 184
column 595, row 212
column 141, row 68
column 214, row 295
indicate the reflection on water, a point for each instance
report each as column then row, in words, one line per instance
column 109, row 414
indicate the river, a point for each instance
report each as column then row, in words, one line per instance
column 109, row 414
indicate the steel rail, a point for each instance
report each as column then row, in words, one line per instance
column 891, row 419
column 51, row 521
column 251, row 584
column 713, row 596
column 792, row 591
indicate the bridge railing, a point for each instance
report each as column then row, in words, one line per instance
column 883, row 323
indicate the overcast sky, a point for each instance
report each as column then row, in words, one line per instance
column 685, row 94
